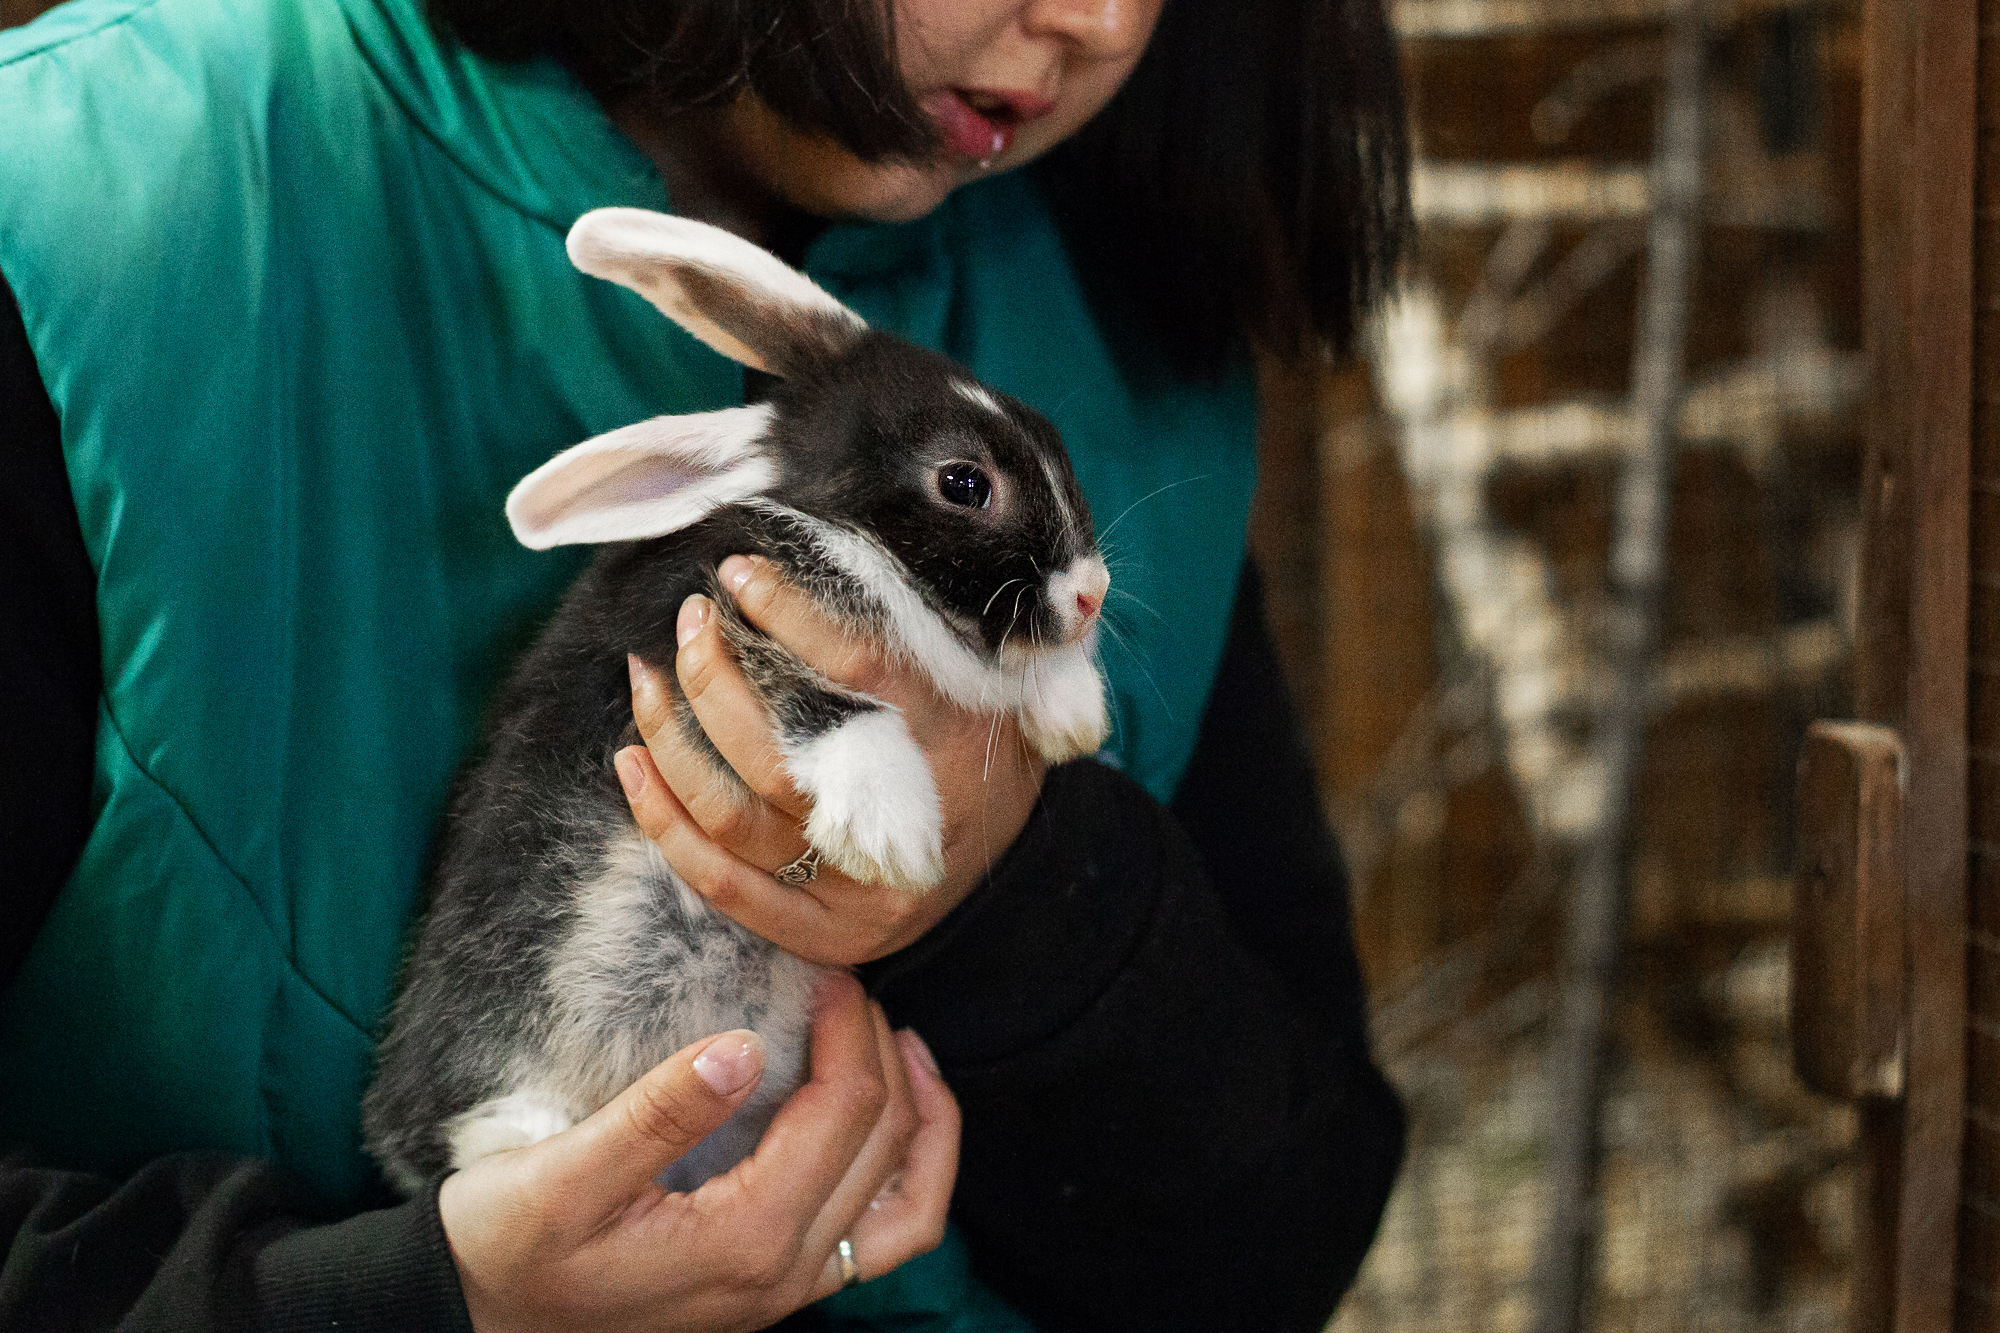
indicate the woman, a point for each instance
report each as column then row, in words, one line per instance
column 293, row 315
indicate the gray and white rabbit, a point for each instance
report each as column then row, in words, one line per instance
column 561, row 957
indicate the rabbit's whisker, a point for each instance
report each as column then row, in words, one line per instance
column 1142, row 499
column 1117, row 591
column 1130, row 651
column 996, row 595
column 993, row 732
column 992, row 735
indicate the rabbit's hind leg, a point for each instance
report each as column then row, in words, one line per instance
column 499, row 1123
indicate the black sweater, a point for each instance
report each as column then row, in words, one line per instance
column 1152, row 1020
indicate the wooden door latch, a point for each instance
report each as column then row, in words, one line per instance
column 1848, row 995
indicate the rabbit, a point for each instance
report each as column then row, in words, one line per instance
column 561, row 957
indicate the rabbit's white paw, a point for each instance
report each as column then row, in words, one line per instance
column 499, row 1123
column 1062, row 705
column 875, row 811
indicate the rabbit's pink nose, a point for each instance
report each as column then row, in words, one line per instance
column 1082, row 586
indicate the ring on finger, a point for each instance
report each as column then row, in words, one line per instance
column 803, row 870
column 850, row 1272
column 891, row 1188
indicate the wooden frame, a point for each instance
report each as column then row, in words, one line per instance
column 1918, row 152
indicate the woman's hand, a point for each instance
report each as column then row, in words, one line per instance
column 725, row 848
column 572, row 1233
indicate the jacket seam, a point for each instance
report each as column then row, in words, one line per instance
column 58, row 43
column 437, row 139
column 235, row 877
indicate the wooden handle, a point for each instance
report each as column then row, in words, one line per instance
column 1848, row 990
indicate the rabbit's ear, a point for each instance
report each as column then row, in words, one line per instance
column 744, row 302
column 644, row 480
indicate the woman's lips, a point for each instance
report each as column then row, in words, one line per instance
column 980, row 124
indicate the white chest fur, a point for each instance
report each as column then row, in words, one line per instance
column 644, row 969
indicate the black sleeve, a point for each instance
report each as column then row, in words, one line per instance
column 193, row 1241
column 1154, row 1026
column 201, row 1241
column 48, row 653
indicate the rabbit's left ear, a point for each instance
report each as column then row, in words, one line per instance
column 743, row 301
column 644, row 480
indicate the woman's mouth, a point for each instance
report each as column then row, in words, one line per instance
column 978, row 123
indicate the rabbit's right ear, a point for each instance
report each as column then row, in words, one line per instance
column 644, row 480
column 743, row 301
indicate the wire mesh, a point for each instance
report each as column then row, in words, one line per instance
column 1443, row 520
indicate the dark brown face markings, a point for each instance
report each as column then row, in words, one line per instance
column 971, row 493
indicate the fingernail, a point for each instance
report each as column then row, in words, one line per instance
column 641, row 674
column 694, row 614
column 913, row 1046
column 731, row 1062
column 736, row 571
column 626, row 761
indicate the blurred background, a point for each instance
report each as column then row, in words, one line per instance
column 1437, row 525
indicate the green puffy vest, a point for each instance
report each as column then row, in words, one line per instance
column 294, row 277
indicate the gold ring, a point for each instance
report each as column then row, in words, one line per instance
column 850, row 1272
column 802, row 871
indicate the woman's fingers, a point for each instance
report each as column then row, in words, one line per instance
column 911, row 1219
column 725, row 839
column 572, row 1232
column 832, row 920
column 748, row 823
column 789, row 616
column 616, row 1153
column 887, row 1148
column 522, row 1224
column 933, row 1162
column 735, row 719
column 889, row 1195
column 906, row 1217
column 816, row 1136
column 733, row 716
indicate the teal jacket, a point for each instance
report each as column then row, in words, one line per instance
column 293, row 275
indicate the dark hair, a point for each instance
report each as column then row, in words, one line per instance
column 825, row 65
column 1249, row 178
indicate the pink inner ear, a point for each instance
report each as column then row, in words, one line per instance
column 642, row 479
column 621, row 478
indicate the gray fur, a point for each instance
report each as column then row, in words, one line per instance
column 561, row 958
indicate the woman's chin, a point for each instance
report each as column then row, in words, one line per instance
column 814, row 173
column 876, row 192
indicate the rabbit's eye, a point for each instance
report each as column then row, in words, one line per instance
column 964, row 485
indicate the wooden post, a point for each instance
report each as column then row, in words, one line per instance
column 1917, row 155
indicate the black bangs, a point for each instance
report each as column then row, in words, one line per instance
column 1251, row 177
column 825, row 65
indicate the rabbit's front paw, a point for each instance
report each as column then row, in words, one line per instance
column 875, row 811
column 1062, row 705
